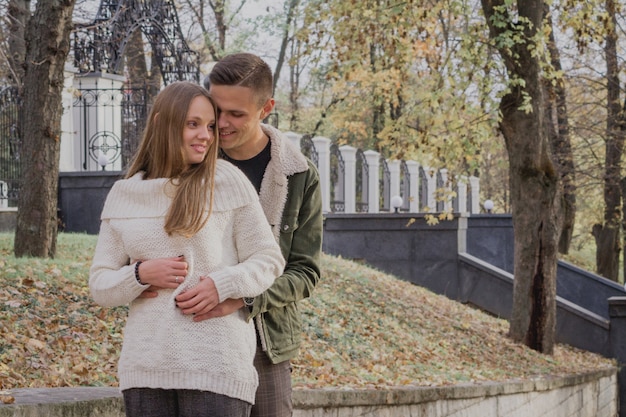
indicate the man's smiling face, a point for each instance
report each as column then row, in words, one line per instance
column 239, row 121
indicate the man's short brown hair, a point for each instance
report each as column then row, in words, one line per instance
column 243, row 70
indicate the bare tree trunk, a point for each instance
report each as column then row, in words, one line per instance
column 18, row 13
column 623, row 190
column 607, row 234
column 294, row 87
column 136, row 65
column 534, row 180
column 291, row 11
column 47, row 40
column 557, row 123
column 154, row 81
column 219, row 12
column 137, row 70
column 378, row 110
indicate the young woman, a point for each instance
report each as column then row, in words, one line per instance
column 189, row 228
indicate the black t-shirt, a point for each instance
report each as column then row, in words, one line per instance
column 254, row 168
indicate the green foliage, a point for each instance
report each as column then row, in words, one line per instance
column 588, row 20
column 414, row 81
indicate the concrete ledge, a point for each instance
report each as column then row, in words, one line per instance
column 593, row 394
column 64, row 402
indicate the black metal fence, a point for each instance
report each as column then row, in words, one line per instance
column 362, row 182
column 10, row 145
column 107, row 121
column 337, row 180
column 385, row 185
column 107, row 127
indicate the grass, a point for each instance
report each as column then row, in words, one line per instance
column 362, row 329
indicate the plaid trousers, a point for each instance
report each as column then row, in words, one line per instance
column 273, row 397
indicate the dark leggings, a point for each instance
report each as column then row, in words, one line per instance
column 149, row 402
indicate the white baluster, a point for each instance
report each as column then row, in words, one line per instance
column 414, row 179
column 373, row 189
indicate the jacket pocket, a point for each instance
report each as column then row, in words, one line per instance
column 287, row 228
column 284, row 329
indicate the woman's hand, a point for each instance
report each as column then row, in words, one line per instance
column 200, row 299
column 162, row 273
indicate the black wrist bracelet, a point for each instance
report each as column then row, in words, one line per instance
column 137, row 272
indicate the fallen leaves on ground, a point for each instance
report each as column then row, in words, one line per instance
column 362, row 329
column 53, row 334
column 367, row 329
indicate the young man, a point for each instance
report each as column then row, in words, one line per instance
column 289, row 191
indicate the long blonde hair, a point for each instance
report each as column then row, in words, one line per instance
column 160, row 155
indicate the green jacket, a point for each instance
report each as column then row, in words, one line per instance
column 292, row 200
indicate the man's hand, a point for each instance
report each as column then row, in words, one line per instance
column 200, row 299
column 224, row 308
column 151, row 292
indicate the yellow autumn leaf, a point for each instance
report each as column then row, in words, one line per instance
column 7, row 399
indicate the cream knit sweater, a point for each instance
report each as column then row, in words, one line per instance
column 163, row 348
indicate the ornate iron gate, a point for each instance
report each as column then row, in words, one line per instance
column 99, row 46
column 125, row 106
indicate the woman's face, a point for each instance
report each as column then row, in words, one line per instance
column 198, row 130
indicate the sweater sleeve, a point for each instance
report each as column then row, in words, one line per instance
column 111, row 279
column 260, row 258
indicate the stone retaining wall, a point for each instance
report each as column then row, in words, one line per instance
column 588, row 395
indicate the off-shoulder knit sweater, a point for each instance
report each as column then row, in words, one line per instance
column 163, row 348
